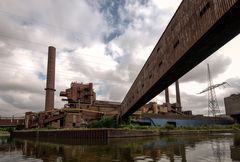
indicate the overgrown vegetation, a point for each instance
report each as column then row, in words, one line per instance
column 135, row 126
column 172, row 127
column 4, row 130
column 49, row 126
column 105, row 122
column 204, row 127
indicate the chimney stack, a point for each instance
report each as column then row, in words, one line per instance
column 50, row 85
column 178, row 98
column 167, row 95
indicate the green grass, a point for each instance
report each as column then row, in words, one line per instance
column 172, row 127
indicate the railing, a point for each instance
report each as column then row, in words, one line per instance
column 11, row 121
column 13, row 117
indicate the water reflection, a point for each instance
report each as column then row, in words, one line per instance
column 235, row 148
column 219, row 147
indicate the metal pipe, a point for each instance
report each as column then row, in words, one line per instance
column 50, row 84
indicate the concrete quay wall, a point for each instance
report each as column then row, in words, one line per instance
column 84, row 133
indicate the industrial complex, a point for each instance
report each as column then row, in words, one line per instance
column 82, row 108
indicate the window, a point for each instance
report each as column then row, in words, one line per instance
column 160, row 63
column 204, row 9
column 150, row 76
column 176, row 44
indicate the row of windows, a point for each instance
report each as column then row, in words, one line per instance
column 175, row 45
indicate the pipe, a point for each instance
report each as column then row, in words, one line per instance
column 50, row 84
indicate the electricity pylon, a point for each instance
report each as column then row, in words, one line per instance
column 213, row 107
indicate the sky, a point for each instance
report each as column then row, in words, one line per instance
column 104, row 42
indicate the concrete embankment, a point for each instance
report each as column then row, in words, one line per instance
column 110, row 133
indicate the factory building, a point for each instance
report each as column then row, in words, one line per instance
column 81, row 109
column 232, row 106
column 82, row 106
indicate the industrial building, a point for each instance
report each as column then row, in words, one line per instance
column 232, row 106
column 82, row 107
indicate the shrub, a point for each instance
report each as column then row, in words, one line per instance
column 7, row 129
column 169, row 127
column 103, row 123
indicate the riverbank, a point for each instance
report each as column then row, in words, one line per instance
column 105, row 133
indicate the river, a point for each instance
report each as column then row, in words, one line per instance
column 198, row 148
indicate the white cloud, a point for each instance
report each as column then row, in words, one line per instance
column 163, row 4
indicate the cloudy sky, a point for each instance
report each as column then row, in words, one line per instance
column 105, row 42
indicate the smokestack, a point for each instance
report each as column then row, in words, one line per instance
column 178, row 99
column 166, row 95
column 50, row 85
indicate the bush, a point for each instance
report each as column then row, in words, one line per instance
column 169, row 127
column 103, row 123
column 49, row 126
column 7, row 129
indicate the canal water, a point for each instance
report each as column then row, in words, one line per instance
column 201, row 148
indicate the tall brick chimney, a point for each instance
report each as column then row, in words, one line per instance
column 50, row 85
column 167, row 95
column 178, row 98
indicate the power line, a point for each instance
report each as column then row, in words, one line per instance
column 86, row 62
column 60, row 74
column 27, row 41
column 22, row 40
column 59, row 55
column 54, row 27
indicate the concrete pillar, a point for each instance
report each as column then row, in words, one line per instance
column 178, row 98
column 50, row 85
column 167, row 95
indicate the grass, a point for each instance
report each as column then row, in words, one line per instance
column 235, row 127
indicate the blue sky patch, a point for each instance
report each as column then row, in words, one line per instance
column 41, row 76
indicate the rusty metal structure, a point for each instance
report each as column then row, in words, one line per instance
column 197, row 29
column 50, row 85
column 78, row 94
column 81, row 109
